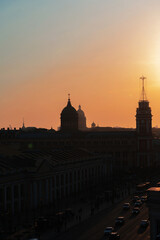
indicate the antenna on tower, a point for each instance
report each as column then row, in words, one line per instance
column 143, row 90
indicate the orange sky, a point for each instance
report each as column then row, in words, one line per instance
column 96, row 52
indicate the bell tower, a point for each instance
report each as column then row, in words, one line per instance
column 144, row 130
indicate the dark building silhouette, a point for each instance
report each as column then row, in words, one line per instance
column 35, row 182
column 144, row 131
column 69, row 118
column 81, row 119
column 93, row 125
column 154, row 211
column 42, row 169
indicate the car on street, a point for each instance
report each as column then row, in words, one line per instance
column 119, row 221
column 138, row 203
column 114, row 236
column 108, row 230
column 158, row 184
column 144, row 198
column 126, row 206
column 144, row 223
column 34, row 238
column 135, row 210
column 135, row 198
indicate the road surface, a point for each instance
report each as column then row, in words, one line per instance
column 93, row 228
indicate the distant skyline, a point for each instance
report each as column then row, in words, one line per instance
column 94, row 50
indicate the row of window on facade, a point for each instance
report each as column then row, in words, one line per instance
column 49, row 189
column 79, row 143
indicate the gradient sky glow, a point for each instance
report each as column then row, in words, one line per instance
column 96, row 50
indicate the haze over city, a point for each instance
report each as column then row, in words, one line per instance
column 94, row 50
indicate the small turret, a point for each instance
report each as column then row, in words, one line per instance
column 93, row 125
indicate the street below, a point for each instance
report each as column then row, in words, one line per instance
column 93, row 227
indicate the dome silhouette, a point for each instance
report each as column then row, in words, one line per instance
column 69, row 110
column 69, row 117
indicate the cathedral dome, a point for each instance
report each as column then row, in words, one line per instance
column 69, row 110
column 69, row 117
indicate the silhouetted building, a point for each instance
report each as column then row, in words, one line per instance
column 69, row 118
column 130, row 148
column 93, row 125
column 81, row 119
column 144, row 131
column 37, row 182
column 53, row 166
column 154, row 212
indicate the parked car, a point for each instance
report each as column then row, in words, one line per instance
column 126, row 206
column 135, row 210
column 119, row 221
column 144, row 223
column 108, row 230
column 114, row 236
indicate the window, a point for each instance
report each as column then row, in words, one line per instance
column 62, row 179
column 78, row 174
column 66, row 178
column 75, row 176
column 57, row 180
column 53, row 182
column 8, row 193
column 1, row 195
column 22, row 190
column 86, row 173
column 70, row 177
column 16, row 194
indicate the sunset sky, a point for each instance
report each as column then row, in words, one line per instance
column 96, row 50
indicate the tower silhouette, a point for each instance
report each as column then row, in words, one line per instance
column 144, row 130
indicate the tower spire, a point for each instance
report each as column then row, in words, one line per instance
column 68, row 96
column 23, row 126
column 143, row 89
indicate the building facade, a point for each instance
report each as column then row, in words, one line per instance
column 154, row 212
column 44, row 182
